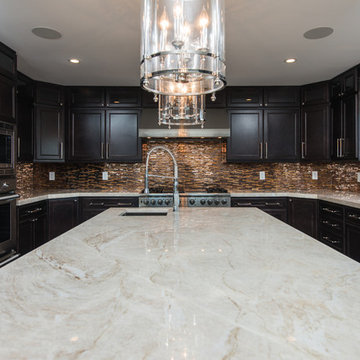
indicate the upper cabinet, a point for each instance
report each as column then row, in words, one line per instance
column 314, row 94
column 344, row 84
column 91, row 96
column 280, row 96
column 128, row 96
column 220, row 100
column 49, row 94
column 245, row 96
column 7, row 61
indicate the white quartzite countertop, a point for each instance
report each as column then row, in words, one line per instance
column 202, row 284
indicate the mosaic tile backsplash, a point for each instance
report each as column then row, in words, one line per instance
column 202, row 164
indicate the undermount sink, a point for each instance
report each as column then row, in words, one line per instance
column 145, row 213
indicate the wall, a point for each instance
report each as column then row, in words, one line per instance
column 202, row 164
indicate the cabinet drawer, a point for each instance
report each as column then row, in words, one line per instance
column 327, row 209
column 332, row 224
column 32, row 210
column 352, row 216
column 99, row 203
column 268, row 203
column 331, row 239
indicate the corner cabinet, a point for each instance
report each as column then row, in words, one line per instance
column 104, row 135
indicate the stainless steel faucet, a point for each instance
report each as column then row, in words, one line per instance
column 175, row 177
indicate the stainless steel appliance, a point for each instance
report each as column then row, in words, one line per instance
column 7, row 149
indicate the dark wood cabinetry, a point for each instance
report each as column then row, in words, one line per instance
column 244, row 96
column 92, row 206
column 279, row 96
column 87, row 135
column 315, row 132
column 276, row 207
column 303, row 215
column 315, row 94
column 126, row 96
column 25, row 118
column 91, row 96
column 352, row 233
column 63, row 215
column 7, row 99
column 220, row 101
column 32, row 226
column 49, row 94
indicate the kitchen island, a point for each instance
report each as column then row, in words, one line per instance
column 231, row 283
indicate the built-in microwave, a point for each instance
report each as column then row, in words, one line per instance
column 7, row 148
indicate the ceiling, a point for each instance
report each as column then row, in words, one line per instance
column 105, row 35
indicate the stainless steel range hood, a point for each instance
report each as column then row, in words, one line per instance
column 216, row 125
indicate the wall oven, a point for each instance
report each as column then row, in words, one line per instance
column 7, row 149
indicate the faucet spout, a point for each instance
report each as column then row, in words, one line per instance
column 175, row 177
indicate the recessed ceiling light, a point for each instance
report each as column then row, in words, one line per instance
column 46, row 33
column 318, row 33
column 290, row 61
column 74, row 61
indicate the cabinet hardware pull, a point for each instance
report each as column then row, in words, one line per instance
column 34, row 211
column 330, row 224
column 272, row 204
column 337, row 148
column 18, row 147
column 261, row 151
column 342, row 147
column 102, row 150
column 330, row 211
column 34, row 220
column 61, row 150
column 303, row 149
column 266, row 150
column 326, row 238
column 243, row 204
column 118, row 204
column 96, row 204
column 353, row 216
column 107, row 150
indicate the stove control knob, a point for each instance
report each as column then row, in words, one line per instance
column 146, row 202
column 160, row 202
column 167, row 202
column 216, row 202
column 224, row 202
column 210, row 202
column 202, row 202
column 153, row 202
column 192, row 202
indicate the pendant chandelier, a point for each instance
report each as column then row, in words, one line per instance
column 183, row 53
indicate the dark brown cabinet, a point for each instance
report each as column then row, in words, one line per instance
column 122, row 139
column 49, row 94
column 91, row 96
column 49, row 134
column 25, row 118
column 246, row 135
column 32, row 226
column 220, row 100
column 244, row 96
column 303, row 215
column 281, row 134
column 315, row 94
column 92, row 206
column 352, row 233
column 7, row 61
column 315, row 132
column 86, row 134
column 279, row 96
column 126, row 96
column 63, row 215
column 7, row 99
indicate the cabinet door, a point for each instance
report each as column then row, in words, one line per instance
column 303, row 215
column 242, row 96
column 7, row 99
column 315, row 133
column 275, row 96
column 336, row 128
column 49, row 133
column 353, row 242
column 281, row 134
column 122, row 140
column 26, row 236
column 336, row 88
column 92, row 96
column 246, row 135
column 48, row 94
column 126, row 96
column 348, row 145
column 63, row 216
column 350, row 82
column 40, row 231
column 87, row 140
column 278, row 214
column 7, row 61
column 220, row 101
column 315, row 94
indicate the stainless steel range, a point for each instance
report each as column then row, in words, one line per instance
column 220, row 198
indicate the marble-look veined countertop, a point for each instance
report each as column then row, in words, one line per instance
column 230, row 283
column 338, row 197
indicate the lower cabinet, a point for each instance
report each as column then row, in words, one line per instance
column 303, row 215
column 276, row 207
column 32, row 226
column 352, row 233
column 92, row 206
column 63, row 216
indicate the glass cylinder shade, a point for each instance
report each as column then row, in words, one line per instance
column 183, row 47
column 181, row 110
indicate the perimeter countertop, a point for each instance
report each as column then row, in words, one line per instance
column 202, row 284
column 338, row 197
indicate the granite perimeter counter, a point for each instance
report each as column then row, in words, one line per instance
column 203, row 284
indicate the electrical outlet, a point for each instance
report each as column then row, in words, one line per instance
column 51, row 175
column 358, row 176
column 262, row 175
column 105, row 175
column 315, row 175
